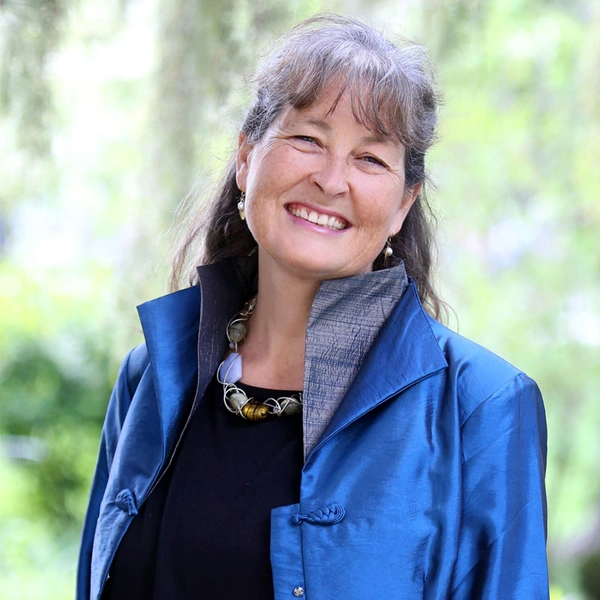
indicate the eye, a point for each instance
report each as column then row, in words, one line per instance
column 373, row 160
column 305, row 138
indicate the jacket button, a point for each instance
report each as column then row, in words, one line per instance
column 298, row 592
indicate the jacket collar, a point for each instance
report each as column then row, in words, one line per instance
column 224, row 286
column 182, row 361
column 346, row 317
column 405, row 353
column 170, row 326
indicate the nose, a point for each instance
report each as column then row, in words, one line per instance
column 331, row 176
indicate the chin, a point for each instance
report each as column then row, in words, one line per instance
column 319, row 271
column 310, row 263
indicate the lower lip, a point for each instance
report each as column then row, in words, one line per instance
column 314, row 227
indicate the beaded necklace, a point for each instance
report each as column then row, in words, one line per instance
column 229, row 373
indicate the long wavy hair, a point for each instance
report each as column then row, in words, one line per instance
column 392, row 92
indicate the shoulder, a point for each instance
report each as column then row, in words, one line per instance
column 447, row 366
column 480, row 376
column 498, row 407
column 459, row 350
column 135, row 364
column 132, row 369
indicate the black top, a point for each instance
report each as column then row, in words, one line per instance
column 204, row 532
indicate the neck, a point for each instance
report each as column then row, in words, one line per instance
column 273, row 352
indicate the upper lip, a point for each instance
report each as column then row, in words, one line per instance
column 320, row 210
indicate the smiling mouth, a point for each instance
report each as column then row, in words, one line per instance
column 328, row 221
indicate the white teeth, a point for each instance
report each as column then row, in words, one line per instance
column 315, row 217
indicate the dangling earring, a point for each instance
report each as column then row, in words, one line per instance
column 241, row 206
column 387, row 250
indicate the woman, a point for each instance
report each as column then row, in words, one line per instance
column 363, row 450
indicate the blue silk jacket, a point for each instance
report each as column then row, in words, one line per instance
column 427, row 482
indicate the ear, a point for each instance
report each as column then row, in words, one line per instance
column 408, row 199
column 242, row 158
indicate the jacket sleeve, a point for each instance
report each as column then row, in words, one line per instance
column 129, row 375
column 502, row 552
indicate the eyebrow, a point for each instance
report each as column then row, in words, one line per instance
column 377, row 139
column 368, row 139
column 319, row 124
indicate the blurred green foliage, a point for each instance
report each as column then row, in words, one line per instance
column 111, row 112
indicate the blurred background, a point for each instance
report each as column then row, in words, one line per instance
column 114, row 111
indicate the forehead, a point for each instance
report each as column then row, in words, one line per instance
column 373, row 106
column 336, row 101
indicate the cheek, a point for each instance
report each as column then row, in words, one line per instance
column 260, row 212
column 264, row 181
column 382, row 212
column 254, row 218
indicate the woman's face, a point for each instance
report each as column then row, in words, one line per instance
column 323, row 192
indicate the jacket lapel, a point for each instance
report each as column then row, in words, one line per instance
column 182, row 361
column 170, row 326
column 224, row 288
column 345, row 319
column 405, row 352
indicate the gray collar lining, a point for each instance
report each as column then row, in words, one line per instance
column 344, row 321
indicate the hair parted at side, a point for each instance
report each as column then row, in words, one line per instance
column 392, row 92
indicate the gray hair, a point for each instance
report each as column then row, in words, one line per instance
column 391, row 87
column 392, row 92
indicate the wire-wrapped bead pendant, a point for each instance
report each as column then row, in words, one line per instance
column 254, row 411
column 236, row 332
column 293, row 407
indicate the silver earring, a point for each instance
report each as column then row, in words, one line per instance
column 387, row 249
column 241, row 206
